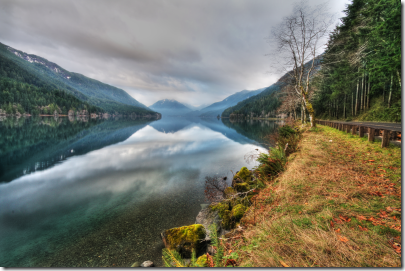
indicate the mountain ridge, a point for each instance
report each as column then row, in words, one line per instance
column 40, row 72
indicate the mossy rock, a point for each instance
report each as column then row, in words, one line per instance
column 227, row 221
column 202, row 261
column 238, row 211
column 244, row 173
column 185, row 239
column 242, row 187
column 220, row 207
column 229, row 191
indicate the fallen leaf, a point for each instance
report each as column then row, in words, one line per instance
column 371, row 160
column 343, row 239
column 363, row 228
column 360, row 217
column 337, row 231
column 284, row 264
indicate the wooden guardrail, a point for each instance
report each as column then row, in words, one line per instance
column 387, row 135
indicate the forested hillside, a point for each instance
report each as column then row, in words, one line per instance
column 27, row 80
column 361, row 70
column 268, row 103
column 259, row 105
column 217, row 108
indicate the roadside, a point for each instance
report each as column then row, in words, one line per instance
column 338, row 204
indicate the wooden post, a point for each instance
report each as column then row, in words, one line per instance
column 354, row 129
column 393, row 135
column 371, row 132
column 385, row 139
column 347, row 128
column 361, row 131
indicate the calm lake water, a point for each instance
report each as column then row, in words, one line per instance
column 98, row 193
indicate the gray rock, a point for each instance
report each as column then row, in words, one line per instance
column 147, row 264
column 207, row 217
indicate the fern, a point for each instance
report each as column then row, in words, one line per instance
column 172, row 258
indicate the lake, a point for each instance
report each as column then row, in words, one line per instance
column 99, row 192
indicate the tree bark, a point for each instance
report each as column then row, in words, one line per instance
column 368, row 92
column 352, row 104
column 302, row 113
column 389, row 95
column 399, row 79
column 361, row 93
column 337, row 109
column 344, row 108
column 357, row 97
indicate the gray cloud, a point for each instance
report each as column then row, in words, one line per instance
column 193, row 51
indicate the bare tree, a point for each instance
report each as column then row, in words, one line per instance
column 215, row 188
column 298, row 40
column 290, row 101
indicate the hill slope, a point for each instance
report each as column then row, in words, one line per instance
column 39, row 72
column 217, row 108
column 268, row 101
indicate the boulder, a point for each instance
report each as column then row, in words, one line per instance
column 185, row 239
column 207, row 217
column 147, row 264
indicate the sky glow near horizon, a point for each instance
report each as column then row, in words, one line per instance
column 196, row 52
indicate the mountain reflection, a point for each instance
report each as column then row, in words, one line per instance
column 29, row 145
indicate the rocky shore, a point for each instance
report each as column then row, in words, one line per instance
column 224, row 216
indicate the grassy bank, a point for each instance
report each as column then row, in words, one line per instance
column 337, row 204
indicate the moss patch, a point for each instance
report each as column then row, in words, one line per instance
column 187, row 234
column 202, row 261
column 238, row 211
column 244, row 174
column 242, row 187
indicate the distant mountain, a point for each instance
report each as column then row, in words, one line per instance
column 217, row 108
column 195, row 108
column 269, row 100
column 170, row 107
column 39, row 72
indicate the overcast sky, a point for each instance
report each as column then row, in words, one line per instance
column 196, row 52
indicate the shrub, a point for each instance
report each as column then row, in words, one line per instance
column 286, row 131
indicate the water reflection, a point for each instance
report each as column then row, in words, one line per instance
column 29, row 145
column 108, row 205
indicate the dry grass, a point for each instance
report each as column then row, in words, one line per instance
column 338, row 204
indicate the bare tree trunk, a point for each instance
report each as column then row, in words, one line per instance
column 365, row 91
column 390, row 94
column 361, row 93
column 344, row 108
column 352, row 104
column 302, row 112
column 337, row 109
column 399, row 79
column 357, row 97
column 368, row 92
